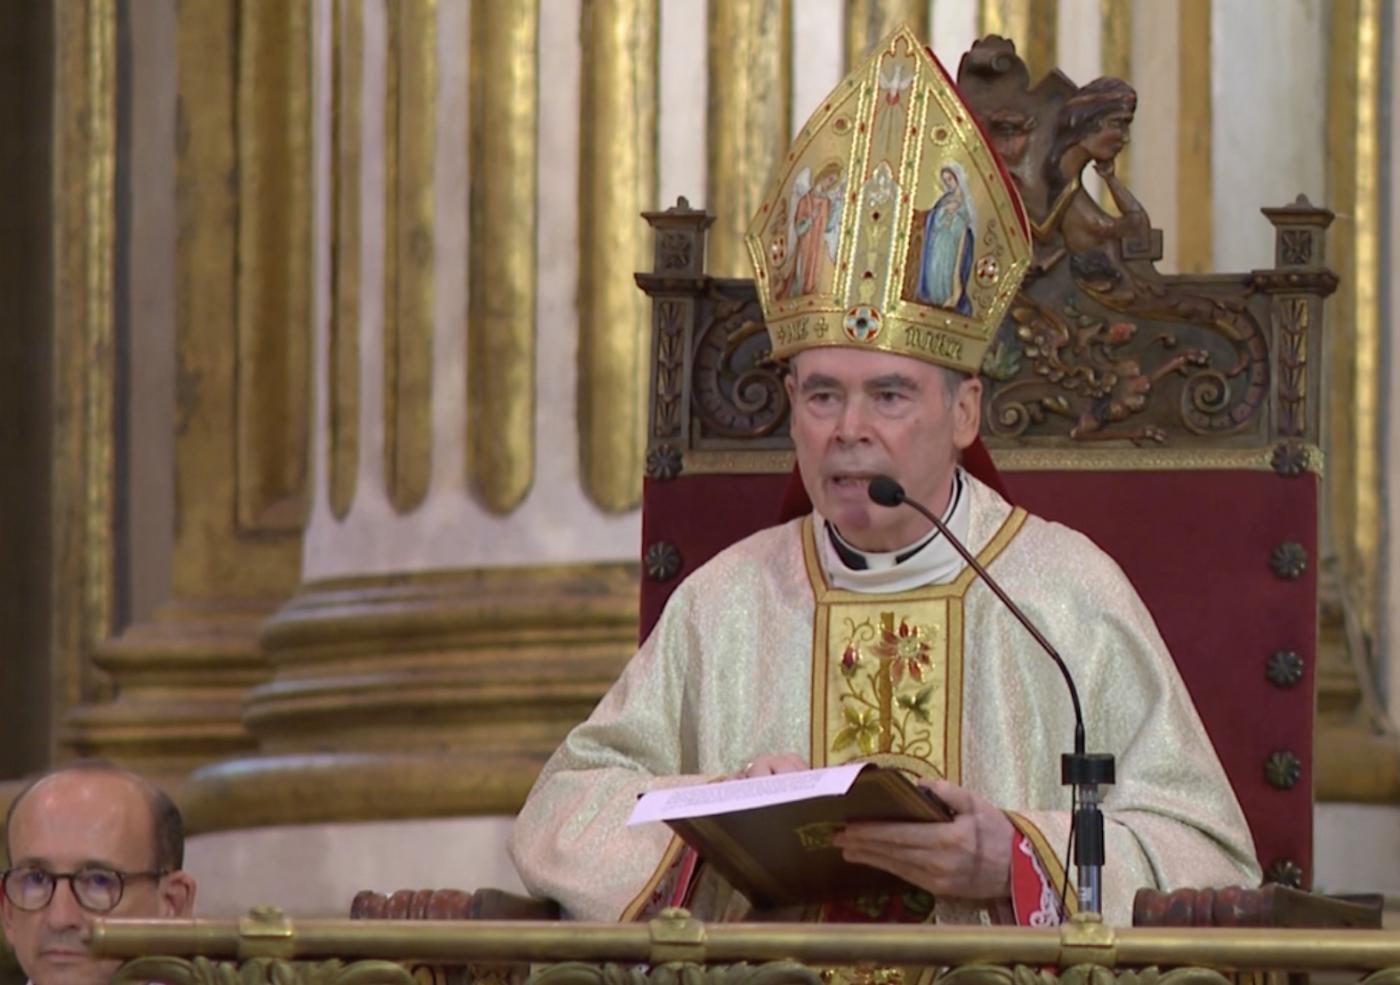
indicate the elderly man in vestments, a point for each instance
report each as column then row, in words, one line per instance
column 856, row 632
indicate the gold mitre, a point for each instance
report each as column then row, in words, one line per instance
column 891, row 224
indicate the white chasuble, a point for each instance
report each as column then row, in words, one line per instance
column 749, row 658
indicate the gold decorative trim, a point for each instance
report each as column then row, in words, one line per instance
column 343, row 382
column 1035, row 460
column 273, row 306
column 1049, row 858
column 1353, row 339
column 1144, row 460
column 1032, row 24
column 722, row 462
column 410, row 126
column 617, row 180
column 749, row 120
column 501, row 263
column 673, row 851
column 1195, row 229
column 84, row 167
column 868, row 21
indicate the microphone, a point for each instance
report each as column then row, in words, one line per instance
column 1079, row 770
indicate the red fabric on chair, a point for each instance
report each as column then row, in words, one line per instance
column 1164, row 529
column 699, row 515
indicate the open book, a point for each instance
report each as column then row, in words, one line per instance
column 771, row 836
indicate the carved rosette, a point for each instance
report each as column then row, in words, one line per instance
column 1291, row 458
column 1289, row 560
column 663, row 462
column 662, row 561
column 1285, row 872
column 1282, row 769
column 1284, row 668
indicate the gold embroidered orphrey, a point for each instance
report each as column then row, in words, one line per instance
column 887, row 669
column 891, row 224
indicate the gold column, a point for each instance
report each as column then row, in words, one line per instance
column 1353, row 353
column 1194, row 238
column 617, row 182
column 410, row 125
column 501, row 265
column 439, row 693
column 867, row 21
column 347, row 92
column 178, row 679
column 274, row 264
column 749, row 114
column 1032, row 24
column 84, row 165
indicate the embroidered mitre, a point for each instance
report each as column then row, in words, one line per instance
column 891, row 223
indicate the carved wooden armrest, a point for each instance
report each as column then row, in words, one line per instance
column 1269, row 906
column 450, row 904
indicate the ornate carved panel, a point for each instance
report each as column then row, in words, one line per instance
column 1099, row 351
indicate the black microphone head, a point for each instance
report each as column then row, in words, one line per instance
column 886, row 491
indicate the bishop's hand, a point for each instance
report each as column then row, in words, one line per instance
column 967, row 857
column 768, row 764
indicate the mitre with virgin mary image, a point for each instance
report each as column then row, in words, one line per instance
column 891, row 224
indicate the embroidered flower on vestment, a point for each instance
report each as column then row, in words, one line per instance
column 862, row 728
column 907, row 650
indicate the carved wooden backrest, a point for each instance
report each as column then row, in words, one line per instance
column 1173, row 419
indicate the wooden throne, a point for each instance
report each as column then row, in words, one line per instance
column 1173, row 419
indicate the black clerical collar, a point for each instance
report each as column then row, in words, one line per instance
column 855, row 559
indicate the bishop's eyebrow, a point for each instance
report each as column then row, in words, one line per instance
column 893, row 381
column 819, row 381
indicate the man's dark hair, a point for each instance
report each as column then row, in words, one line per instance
column 167, row 826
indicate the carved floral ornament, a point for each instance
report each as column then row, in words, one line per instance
column 267, row 971
column 1096, row 345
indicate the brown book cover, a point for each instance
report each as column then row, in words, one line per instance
column 782, row 853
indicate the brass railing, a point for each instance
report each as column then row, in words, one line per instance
column 269, row 947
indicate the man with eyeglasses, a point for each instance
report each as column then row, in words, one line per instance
column 84, row 841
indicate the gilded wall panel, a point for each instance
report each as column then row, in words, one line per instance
column 211, row 561
column 867, row 21
column 1353, row 355
column 501, row 265
column 343, row 364
column 410, row 126
column 749, row 117
column 617, row 182
column 1116, row 61
column 1193, row 168
column 84, row 169
column 274, row 264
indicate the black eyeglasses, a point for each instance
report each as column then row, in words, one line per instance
column 96, row 889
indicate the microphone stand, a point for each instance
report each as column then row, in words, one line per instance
column 1083, row 772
